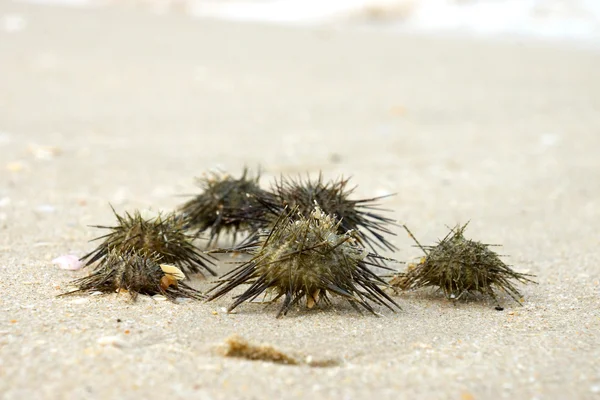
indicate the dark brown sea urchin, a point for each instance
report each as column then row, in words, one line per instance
column 162, row 234
column 222, row 205
column 361, row 216
column 306, row 257
column 459, row 267
column 136, row 274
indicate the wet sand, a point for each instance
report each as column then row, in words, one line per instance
column 120, row 106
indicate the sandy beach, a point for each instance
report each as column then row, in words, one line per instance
column 120, row 106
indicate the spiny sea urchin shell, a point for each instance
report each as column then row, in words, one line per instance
column 162, row 234
column 332, row 197
column 222, row 205
column 459, row 266
column 137, row 274
column 306, row 257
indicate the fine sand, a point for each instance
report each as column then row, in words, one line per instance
column 123, row 107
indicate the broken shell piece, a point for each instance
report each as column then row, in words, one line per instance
column 69, row 262
column 167, row 281
column 313, row 299
column 114, row 341
column 44, row 152
column 400, row 281
column 173, row 271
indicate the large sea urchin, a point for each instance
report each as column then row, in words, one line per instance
column 162, row 234
column 307, row 257
column 459, row 266
column 222, row 205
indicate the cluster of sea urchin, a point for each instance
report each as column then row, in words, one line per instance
column 307, row 241
column 161, row 235
column 361, row 216
column 306, row 257
column 460, row 267
column 137, row 274
column 144, row 255
column 223, row 205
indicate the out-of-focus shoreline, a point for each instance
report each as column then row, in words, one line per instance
column 575, row 21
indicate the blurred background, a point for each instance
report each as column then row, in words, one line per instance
column 574, row 20
column 144, row 95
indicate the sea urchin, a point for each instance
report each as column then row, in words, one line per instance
column 222, row 205
column 306, row 257
column 162, row 235
column 459, row 267
column 136, row 274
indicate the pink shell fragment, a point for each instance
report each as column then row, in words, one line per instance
column 69, row 262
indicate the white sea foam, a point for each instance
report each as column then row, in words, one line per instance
column 74, row 3
column 555, row 19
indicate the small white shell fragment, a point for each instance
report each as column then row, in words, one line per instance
column 173, row 271
column 45, row 208
column 159, row 297
column 69, row 262
column 43, row 244
column 114, row 341
column 44, row 152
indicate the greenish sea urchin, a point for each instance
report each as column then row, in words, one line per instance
column 162, row 234
column 361, row 216
column 306, row 257
column 223, row 204
column 136, row 274
column 459, row 266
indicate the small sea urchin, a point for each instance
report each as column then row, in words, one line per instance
column 361, row 216
column 136, row 274
column 306, row 257
column 459, row 266
column 222, row 205
column 161, row 234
